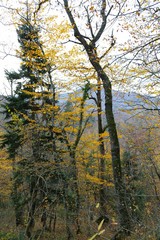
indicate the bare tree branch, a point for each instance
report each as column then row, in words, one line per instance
column 104, row 21
column 77, row 33
column 39, row 6
column 89, row 23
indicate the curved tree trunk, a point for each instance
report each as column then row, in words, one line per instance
column 114, row 142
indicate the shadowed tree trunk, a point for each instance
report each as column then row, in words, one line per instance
column 72, row 203
column 102, row 161
column 91, row 51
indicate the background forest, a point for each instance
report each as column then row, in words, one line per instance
column 79, row 137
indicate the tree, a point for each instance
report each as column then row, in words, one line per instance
column 62, row 166
column 25, row 109
column 139, row 55
column 42, row 137
column 90, row 45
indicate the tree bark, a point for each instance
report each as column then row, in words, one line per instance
column 102, row 161
column 114, row 142
column 115, row 148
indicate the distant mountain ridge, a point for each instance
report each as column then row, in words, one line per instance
column 122, row 103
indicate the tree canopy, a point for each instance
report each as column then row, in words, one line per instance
column 79, row 136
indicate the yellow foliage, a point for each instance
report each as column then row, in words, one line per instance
column 71, row 129
column 94, row 179
column 5, row 175
column 104, row 134
column 98, row 181
column 56, row 130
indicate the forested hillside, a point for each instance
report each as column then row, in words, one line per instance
column 79, row 156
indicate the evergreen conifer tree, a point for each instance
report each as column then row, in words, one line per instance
column 24, row 112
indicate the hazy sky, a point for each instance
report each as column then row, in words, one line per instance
column 8, row 42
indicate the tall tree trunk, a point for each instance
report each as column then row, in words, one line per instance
column 32, row 208
column 114, row 142
column 102, row 161
column 115, row 148
column 74, row 175
column 72, row 199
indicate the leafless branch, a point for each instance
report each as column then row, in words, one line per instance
column 104, row 21
column 77, row 33
column 111, row 46
column 89, row 23
column 39, row 6
column 137, row 48
column 71, row 42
